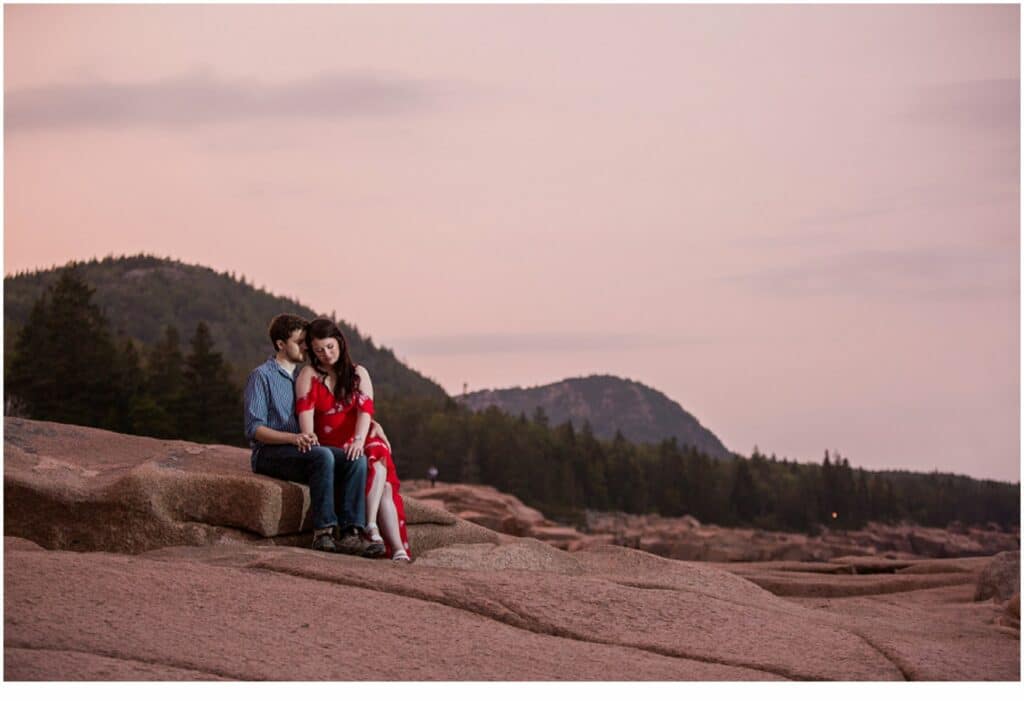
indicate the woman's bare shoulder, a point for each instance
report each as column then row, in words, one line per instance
column 306, row 374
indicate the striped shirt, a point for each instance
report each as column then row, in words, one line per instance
column 269, row 401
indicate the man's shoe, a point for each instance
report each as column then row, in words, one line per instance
column 324, row 543
column 374, row 549
column 351, row 543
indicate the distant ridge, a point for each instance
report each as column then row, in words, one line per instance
column 610, row 404
column 142, row 294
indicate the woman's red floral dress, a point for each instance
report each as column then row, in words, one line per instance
column 334, row 423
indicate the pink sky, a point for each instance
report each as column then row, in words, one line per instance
column 799, row 222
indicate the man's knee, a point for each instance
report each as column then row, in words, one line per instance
column 359, row 467
column 321, row 457
column 349, row 469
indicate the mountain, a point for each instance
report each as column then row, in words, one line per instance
column 610, row 404
column 141, row 295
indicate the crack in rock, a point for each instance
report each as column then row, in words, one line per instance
column 891, row 657
column 523, row 621
column 123, row 658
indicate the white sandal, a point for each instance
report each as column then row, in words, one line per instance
column 401, row 556
column 373, row 533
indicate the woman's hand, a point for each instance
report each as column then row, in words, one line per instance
column 354, row 448
column 305, row 441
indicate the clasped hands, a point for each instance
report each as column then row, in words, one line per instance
column 305, row 441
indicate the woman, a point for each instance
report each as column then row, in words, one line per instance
column 335, row 400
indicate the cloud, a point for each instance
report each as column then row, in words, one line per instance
column 888, row 212
column 480, row 344
column 201, row 98
column 972, row 104
column 933, row 273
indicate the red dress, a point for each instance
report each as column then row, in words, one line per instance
column 334, row 423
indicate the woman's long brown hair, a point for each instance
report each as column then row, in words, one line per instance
column 347, row 382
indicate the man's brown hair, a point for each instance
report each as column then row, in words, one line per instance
column 283, row 326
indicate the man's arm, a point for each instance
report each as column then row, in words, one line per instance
column 270, row 436
column 257, row 400
column 377, row 431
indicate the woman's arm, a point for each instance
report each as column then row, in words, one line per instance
column 303, row 386
column 365, row 386
column 355, row 447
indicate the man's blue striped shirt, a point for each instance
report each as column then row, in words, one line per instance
column 269, row 401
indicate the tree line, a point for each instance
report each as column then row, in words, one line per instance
column 68, row 367
column 562, row 471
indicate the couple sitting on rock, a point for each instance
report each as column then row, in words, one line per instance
column 315, row 426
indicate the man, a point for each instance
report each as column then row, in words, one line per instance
column 281, row 450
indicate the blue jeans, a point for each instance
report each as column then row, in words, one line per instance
column 333, row 480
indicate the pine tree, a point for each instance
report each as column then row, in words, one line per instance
column 164, row 376
column 130, row 381
column 211, row 406
column 158, row 408
column 469, row 470
column 63, row 366
column 594, row 477
column 744, row 495
column 627, row 486
column 672, row 492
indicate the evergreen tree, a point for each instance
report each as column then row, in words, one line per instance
column 129, row 379
column 744, row 495
column 211, row 406
column 63, row 367
column 158, row 409
column 594, row 477
column 627, row 484
column 669, row 494
column 165, row 374
column 469, row 471
column 863, row 509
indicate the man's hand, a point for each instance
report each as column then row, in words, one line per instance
column 377, row 431
column 305, row 441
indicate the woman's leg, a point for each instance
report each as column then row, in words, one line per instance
column 389, row 522
column 378, row 473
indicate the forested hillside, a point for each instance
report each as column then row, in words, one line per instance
column 141, row 296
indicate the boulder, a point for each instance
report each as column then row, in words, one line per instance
column 483, row 505
column 77, row 488
column 1000, row 580
column 1010, row 614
